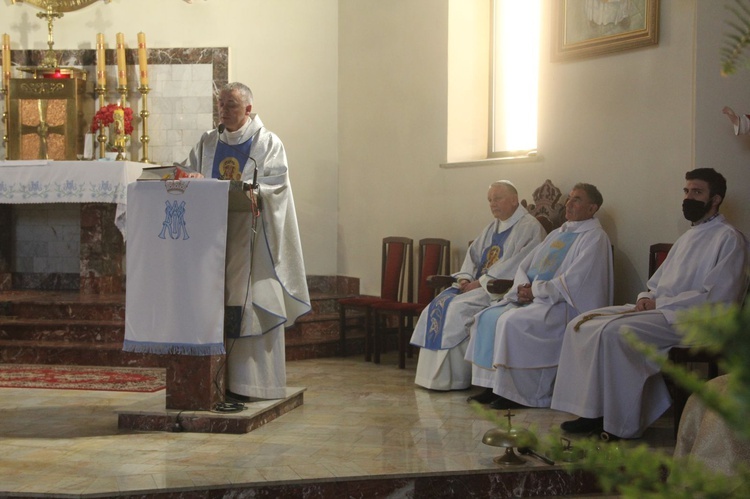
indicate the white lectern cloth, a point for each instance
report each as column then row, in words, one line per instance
column 176, row 252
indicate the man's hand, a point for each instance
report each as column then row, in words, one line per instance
column 524, row 294
column 732, row 115
column 645, row 304
column 465, row 285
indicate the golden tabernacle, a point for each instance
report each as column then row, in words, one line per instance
column 46, row 117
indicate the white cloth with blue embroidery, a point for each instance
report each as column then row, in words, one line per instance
column 176, row 248
column 48, row 181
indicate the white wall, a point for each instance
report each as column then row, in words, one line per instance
column 623, row 122
column 392, row 119
column 715, row 144
column 286, row 50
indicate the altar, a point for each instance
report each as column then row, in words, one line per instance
column 99, row 188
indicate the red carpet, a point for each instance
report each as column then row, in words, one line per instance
column 118, row 379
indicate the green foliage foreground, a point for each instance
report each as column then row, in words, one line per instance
column 635, row 470
column 736, row 38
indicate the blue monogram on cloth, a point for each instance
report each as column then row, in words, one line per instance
column 229, row 161
column 174, row 221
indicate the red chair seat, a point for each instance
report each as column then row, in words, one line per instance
column 361, row 301
column 414, row 308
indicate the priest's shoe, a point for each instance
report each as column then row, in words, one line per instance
column 231, row 396
column 484, row 397
column 583, row 425
column 501, row 403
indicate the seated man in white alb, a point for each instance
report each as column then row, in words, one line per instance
column 601, row 377
column 442, row 329
column 515, row 344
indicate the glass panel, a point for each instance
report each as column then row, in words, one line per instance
column 515, row 74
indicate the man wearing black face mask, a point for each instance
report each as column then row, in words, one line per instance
column 694, row 207
column 600, row 377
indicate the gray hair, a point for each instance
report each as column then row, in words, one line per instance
column 591, row 191
column 245, row 93
column 505, row 183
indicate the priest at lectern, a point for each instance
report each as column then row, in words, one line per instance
column 265, row 276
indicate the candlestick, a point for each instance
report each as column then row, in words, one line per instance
column 5, row 77
column 144, row 120
column 6, row 60
column 101, row 138
column 101, row 68
column 142, row 59
column 122, row 76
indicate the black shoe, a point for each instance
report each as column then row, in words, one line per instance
column 583, row 425
column 484, row 397
column 501, row 403
column 235, row 397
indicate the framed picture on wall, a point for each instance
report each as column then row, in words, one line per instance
column 588, row 28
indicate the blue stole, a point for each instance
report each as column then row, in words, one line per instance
column 229, row 161
column 437, row 307
column 493, row 252
column 544, row 269
column 436, row 318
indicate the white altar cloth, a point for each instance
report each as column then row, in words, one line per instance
column 48, row 181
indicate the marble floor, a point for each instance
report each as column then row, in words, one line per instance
column 358, row 420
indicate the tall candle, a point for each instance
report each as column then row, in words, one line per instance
column 142, row 59
column 101, row 75
column 6, row 60
column 122, row 77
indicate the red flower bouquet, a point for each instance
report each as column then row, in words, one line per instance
column 105, row 116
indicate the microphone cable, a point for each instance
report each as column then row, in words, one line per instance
column 226, row 407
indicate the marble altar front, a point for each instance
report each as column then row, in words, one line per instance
column 98, row 189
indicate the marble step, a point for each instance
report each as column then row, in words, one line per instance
column 308, row 329
column 70, row 328
column 62, row 330
column 73, row 353
column 58, row 305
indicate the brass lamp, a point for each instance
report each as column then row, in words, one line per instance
column 512, row 437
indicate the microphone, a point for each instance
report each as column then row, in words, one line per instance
column 254, row 185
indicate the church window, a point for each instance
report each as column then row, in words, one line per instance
column 514, row 78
